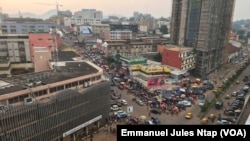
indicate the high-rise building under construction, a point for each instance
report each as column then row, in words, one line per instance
column 204, row 25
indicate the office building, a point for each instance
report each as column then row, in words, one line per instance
column 204, row 25
column 59, row 104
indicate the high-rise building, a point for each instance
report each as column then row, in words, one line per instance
column 204, row 25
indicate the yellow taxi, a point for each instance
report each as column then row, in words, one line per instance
column 204, row 121
column 215, row 90
column 189, row 115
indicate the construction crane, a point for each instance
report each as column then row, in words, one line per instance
column 56, row 4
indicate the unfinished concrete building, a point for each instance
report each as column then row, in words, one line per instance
column 204, row 25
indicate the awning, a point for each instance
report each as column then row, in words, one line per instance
column 178, row 72
column 167, row 95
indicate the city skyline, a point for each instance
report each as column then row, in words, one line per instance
column 162, row 8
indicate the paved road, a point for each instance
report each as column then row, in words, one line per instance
column 233, row 87
column 195, row 109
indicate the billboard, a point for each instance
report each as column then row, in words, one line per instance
column 152, row 69
column 86, row 30
column 158, row 82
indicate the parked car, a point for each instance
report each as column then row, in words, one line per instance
column 189, row 115
column 122, row 115
column 202, row 103
column 115, row 108
column 185, row 102
column 224, row 122
column 155, row 111
column 231, row 112
column 218, row 104
column 156, row 120
column 181, row 106
column 124, row 102
column 119, row 112
column 139, row 102
column 234, row 94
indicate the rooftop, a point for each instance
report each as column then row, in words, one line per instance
column 178, row 48
column 65, row 70
column 67, row 55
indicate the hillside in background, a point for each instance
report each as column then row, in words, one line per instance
column 238, row 25
column 47, row 15
column 31, row 15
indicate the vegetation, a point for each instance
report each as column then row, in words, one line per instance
column 231, row 80
column 164, row 29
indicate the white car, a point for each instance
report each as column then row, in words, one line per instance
column 115, row 108
column 224, row 122
column 185, row 102
column 119, row 112
column 124, row 102
column 202, row 103
column 245, row 88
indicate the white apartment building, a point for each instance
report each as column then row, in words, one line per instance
column 143, row 28
column 120, row 35
column 99, row 29
column 85, row 16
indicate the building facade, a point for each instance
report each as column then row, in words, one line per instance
column 25, row 27
column 54, row 105
column 204, row 25
column 100, row 29
column 45, row 40
column 124, row 27
column 182, row 58
column 18, row 51
column 119, row 35
column 125, row 48
column 85, row 16
column 15, row 48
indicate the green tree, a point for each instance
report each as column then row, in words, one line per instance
column 248, row 34
column 131, row 19
column 241, row 34
column 164, row 29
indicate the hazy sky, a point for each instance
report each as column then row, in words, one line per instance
column 157, row 8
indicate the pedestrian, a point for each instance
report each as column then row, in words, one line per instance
column 110, row 129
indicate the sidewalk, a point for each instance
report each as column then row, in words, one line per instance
column 104, row 134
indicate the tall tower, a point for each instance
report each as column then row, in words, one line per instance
column 1, row 20
column 1, row 15
column 204, row 25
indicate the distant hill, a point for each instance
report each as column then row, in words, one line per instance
column 31, row 15
column 237, row 25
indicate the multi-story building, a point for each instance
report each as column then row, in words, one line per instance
column 43, row 40
column 85, row 16
column 15, row 47
column 124, row 27
column 18, row 50
column 143, row 28
column 125, row 48
column 54, row 105
column 25, row 27
column 182, row 58
column 100, row 29
column 204, row 25
column 118, row 35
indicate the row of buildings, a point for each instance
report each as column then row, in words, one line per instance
column 64, row 96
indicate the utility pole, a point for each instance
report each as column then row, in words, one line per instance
column 54, row 33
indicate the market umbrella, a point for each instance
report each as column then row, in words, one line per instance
column 142, row 117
